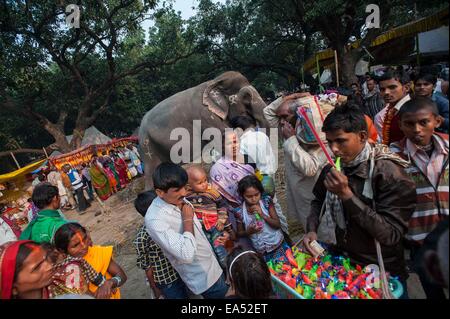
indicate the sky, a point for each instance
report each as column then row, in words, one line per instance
column 184, row 6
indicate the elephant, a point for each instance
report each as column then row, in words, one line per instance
column 213, row 102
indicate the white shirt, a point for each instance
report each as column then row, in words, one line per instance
column 268, row 239
column 191, row 255
column 379, row 118
column 6, row 233
column 257, row 146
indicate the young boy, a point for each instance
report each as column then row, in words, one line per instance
column 365, row 202
column 394, row 88
column 428, row 153
column 424, row 86
column 162, row 277
column 210, row 209
column 42, row 229
column 174, row 227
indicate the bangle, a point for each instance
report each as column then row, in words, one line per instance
column 117, row 279
column 102, row 282
column 188, row 219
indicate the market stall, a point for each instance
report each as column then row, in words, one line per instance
column 405, row 40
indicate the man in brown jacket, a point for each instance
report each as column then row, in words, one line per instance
column 371, row 176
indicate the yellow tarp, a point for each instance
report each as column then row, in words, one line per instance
column 422, row 25
column 22, row 171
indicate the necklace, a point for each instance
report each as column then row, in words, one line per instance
column 426, row 148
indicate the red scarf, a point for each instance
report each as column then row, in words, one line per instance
column 8, row 256
column 391, row 127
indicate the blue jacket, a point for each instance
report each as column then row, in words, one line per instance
column 442, row 104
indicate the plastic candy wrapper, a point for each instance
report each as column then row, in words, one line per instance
column 325, row 277
column 259, row 221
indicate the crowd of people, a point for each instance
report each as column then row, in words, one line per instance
column 103, row 176
column 377, row 179
column 78, row 186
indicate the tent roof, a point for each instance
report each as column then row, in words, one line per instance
column 92, row 136
column 422, row 25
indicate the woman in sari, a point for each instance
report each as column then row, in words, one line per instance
column 230, row 169
column 110, row 164
column 77, row 243
column 100, row 180
column 73, row 274
column 25, row 270
column 225, row 175
column 111, row 178
column 121, row 168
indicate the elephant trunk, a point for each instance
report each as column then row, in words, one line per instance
column 255, row 105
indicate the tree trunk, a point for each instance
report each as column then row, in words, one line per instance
column 347, row 62
column 60, row 137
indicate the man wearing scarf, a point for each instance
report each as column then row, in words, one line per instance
column 395, row 89
column 303, row 157
column 371, row 200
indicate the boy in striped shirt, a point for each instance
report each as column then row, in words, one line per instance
column 427, row 152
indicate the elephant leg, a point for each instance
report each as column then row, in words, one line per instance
column 151, row 158
column 149, row 167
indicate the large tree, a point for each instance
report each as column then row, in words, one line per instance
column 341, row 22
column 53, row 72
column 280, row 35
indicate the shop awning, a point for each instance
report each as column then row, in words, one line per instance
column 422, row 25
column 21, row 172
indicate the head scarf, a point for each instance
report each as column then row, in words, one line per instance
column 225, row 176
column 8, row 256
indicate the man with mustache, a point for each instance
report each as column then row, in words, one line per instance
column 171, row 223
column 303, row 162
column 394, row 87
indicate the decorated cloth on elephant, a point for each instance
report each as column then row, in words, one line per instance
column 100, row 182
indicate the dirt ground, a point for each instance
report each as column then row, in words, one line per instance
column 120, row 224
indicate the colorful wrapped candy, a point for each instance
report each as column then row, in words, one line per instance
column 327, row 277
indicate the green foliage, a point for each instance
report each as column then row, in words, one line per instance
column 266, row 40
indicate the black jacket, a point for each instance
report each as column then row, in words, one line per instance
column 395, row 198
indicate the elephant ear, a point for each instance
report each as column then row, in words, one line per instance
column 215, row 100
